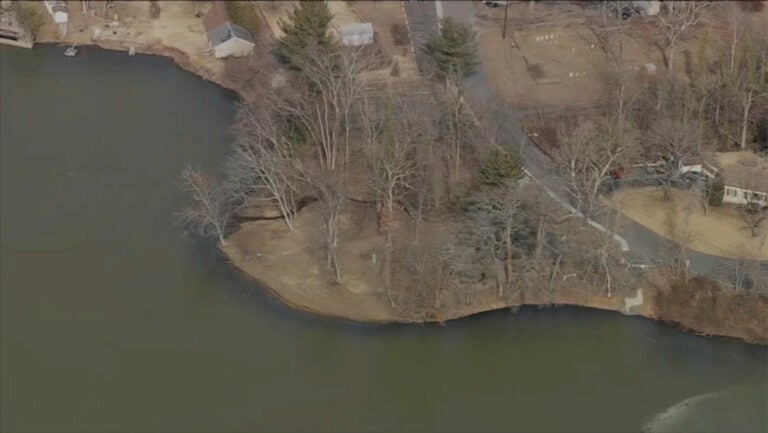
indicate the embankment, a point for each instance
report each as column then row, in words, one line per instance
column 290, row 266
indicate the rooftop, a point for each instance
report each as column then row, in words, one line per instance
column 744, row 170
column 227, row 31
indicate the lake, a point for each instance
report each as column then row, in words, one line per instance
column 113, row 320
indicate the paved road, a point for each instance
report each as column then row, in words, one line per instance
column 643, row 243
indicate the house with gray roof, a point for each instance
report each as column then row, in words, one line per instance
column 226, row 38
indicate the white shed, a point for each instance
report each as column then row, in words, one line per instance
column 230, row 40
column 58, row 10
column 356, row 34
column 649, row 8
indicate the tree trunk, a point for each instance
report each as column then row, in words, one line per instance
column 608, row 279
column 745, row 119
column 387, row 267
column 508, row 235
column 671, row 60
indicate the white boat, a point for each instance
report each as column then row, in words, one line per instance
column 71, row 51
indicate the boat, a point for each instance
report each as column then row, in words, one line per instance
column 71, row 51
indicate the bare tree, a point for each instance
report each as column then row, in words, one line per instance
column 673, row 141
column 751, row 84
column 263, row 165
column 753, row 214
column 590, row 153
column 676, row 21
column 209, row 211
column 323, row 103
column 494, row 221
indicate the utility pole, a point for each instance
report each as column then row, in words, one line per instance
column 504, row 31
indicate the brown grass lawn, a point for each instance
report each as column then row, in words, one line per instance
column 722, row 232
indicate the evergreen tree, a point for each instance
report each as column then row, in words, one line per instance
column 716, row 191
column 306, row 30
column 454, row 50
column 501, row 166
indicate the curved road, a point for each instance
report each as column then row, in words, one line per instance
column 644, row 244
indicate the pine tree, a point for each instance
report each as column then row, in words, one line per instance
column 454, row 50
column 716, row 191
column 305, row 30
column 500, row 167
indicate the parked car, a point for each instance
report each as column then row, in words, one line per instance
column 620, row 173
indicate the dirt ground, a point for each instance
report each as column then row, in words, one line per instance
column 175, row 29
column 555, row 66
column 274, row 11
column 551, row 57
column 382, row 14
column 721, row 233
column 290, row 266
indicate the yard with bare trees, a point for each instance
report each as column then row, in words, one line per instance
column 393, row 204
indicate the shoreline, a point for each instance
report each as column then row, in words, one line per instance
column 284, row 293
column 278, row 295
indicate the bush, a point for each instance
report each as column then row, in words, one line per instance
column 395, row 71
column 30, row 14
column 715, row 191
column 501, row 166
column 399, row 34
column 244, row 14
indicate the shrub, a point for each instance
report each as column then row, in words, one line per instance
column 501, row 166
column 399, row 34
column 395, row 71
column 244, row 14
column 715, row 191
column 30, row 14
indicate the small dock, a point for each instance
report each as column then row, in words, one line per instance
column 13, row 30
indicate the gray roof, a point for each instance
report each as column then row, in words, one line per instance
column 227, row 31
column 356, row 29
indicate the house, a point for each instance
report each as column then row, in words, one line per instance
column 745, row 176
column 354, row 35
column 226, row 38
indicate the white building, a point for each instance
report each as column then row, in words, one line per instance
column 354, row 35
column 226, row 38
column 649, row 8
column 230, row 40
column 745, row 175
column 58, row 10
